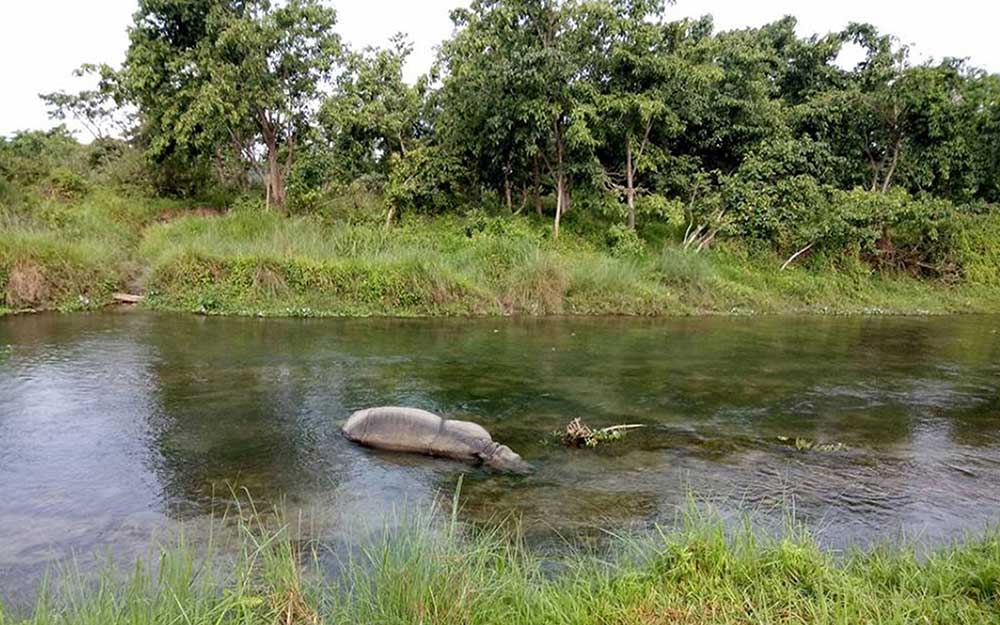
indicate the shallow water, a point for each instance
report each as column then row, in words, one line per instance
column 116, row 426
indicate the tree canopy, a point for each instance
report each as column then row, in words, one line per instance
column 574, row 108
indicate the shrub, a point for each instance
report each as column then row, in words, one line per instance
column 624, row 242
column 428, row 179
column 65, row 184
column 123, row 168
column 309, row 180
column 977, row 250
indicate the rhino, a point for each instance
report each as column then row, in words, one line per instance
column 418, row 431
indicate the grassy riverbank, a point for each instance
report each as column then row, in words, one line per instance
column 74, row 254
column 698, row 574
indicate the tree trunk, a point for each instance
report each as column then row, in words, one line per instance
column 275, row 178
column 537, row 189
column 629, row 185
column 560, row 195
column 524, row 200
column 402, row 146
column 560, row 177
column 508, row 197
column 275, row 181
column 892, row 164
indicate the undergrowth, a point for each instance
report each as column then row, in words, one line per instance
column 261, row 263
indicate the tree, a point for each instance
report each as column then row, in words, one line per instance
column 878, row 103
column 491, row 100
column 373, row 116
column 207, row 75
column 516, row 91
column 650, row 80
column 95, row 109
column 981, row 102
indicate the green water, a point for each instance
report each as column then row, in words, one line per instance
column 115, row 426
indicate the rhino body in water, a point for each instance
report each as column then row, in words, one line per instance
column 419, row 431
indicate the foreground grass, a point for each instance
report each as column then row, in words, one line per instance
column 251, row 262
column 438, row 574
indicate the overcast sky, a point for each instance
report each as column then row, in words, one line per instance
column 42, row 41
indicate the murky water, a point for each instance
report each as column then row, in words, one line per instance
column 116, row 425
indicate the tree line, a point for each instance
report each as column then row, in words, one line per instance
column 567, row 107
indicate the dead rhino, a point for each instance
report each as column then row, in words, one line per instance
column 419, row 431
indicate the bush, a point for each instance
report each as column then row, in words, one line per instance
column 428, row 179
column 356, row 203
column 123, row 168
column 624, row 242
column 309, row 180
column 977, row 252
column 28, row 158
column 894, row 230
column 481, row 224
column 65, row 184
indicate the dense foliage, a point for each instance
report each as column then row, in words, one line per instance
column 603, row 116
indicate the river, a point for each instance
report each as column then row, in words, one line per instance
column 115, row 426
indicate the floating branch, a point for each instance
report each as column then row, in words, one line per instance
column 807, row 444
column 578, row 434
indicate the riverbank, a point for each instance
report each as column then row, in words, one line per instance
column 438, row 573
column 74, row 256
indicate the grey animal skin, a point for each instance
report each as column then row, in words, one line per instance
column 419, row 431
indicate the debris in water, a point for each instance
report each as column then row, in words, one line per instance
column 578, row 434
column 807, row 444
column 963, row 470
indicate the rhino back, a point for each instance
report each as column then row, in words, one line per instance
column 466, row 429
column 394, row 428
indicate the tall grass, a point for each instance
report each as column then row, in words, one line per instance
column 704, row 571
column 72, row 254
column 251, row 262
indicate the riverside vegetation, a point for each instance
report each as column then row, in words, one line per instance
column 73, row 238
column 574, row 156
column 441, row 573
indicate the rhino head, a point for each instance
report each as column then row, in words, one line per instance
column 503, row 458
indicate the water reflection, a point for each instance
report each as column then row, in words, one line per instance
column 114, row 425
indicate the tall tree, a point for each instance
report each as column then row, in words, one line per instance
column 212, row 74
column 491, row 101
column 650, row 81
column 373, row 116
column 879, row 103
column 516, row 91
column 95, row 109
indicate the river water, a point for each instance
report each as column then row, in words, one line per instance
column 114, row 426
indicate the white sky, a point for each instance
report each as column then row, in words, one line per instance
column 42, row 41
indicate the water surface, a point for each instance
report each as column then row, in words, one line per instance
column 114, row 426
